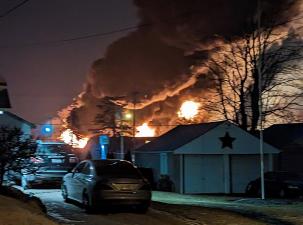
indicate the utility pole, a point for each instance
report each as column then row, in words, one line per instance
column 135, row 93
column 121, row 134
column 260, row 102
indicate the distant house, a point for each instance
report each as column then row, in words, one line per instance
column 217, row 157
column 11, row 120
column 289, row 139
column 93, row 149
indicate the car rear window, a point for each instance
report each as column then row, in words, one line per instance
column 117, row 170
column 50, row 149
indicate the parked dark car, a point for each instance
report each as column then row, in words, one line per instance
column 102, row 183
column 278, row 184
column 51, row 162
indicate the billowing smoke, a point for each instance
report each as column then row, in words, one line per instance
column 157, row 60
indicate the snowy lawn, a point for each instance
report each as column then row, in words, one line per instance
column 278, row 211
column 15, row 212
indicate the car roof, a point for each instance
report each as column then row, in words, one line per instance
column 106, row 162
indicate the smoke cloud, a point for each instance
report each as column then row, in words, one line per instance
column 157, row 60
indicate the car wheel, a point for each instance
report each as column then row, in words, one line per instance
column 64, row 193
column 86, row 203
column 24, row 183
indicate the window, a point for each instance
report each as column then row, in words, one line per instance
column 86, row 170
column 79, row 168
column 117, row 170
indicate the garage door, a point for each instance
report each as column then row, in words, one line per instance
column 244, row 168
column 203, row 174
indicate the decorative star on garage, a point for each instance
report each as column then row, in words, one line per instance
column 227, row 140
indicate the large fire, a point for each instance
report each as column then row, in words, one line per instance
column 70, row 138
column 145, row 131
column 188, row 110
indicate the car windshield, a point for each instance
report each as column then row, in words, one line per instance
column 117, row 170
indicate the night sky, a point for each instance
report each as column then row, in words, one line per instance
column 41, row 78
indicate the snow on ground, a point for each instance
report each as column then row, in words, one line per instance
column 15, row 212
column 274, row 211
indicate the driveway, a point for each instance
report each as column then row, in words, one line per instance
column 166, row 209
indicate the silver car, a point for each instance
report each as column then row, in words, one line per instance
column 100, row 183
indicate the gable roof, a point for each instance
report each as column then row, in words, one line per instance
column 178, row 136
column 20, row 119
column 283, row 135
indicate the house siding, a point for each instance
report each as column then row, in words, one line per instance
column 7, row 121
column 149, row 160
column 174, row 171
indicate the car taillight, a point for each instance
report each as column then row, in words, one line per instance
column 73, row 160
column 37, row 160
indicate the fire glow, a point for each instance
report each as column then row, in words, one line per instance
column 145, row 131
column 70, row 138
column 189, row 110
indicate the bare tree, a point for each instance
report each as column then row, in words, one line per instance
column 234, row 69
column 110, row 118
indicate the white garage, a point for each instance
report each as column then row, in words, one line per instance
column 216, row 157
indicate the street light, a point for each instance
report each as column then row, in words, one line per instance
column 47, row 130
column 126, row 116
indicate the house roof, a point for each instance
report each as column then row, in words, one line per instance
column 20, row 119
column 283, row 135
column 178, row 136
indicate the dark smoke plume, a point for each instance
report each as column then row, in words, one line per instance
column 156, row 61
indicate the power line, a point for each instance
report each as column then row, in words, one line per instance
column 108, row 33
column 14, row 8
column 78, row 38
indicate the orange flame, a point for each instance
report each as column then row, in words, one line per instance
column 70, row 138
column 189, row 110
column 145, row 131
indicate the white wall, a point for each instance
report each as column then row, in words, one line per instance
column 245, row 169
column 9, row 121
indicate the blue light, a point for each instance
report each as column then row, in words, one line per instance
column 103, row 152
column 47, row 129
